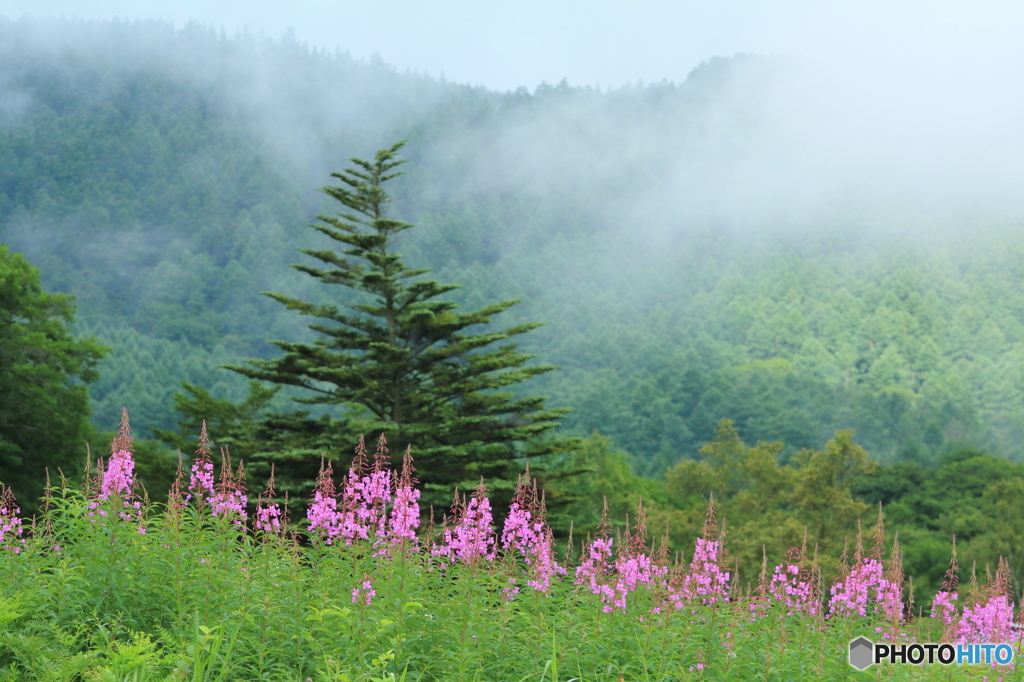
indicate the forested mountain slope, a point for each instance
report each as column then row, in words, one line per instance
column 166, row 177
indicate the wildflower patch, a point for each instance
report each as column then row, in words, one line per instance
column 220, row 584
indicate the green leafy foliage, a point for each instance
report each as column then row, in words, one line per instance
column 44, row 407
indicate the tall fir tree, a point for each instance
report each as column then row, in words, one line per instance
column 399, row 360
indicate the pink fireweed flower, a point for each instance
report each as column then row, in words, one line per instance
column 442, row 550
column 596, row 568
column 472, row 537
column 633, row 567
column 632, row 571
column 365, row 592
column 229, row 499
column 793, row 588
column 517, row 533
column 117, row 481
column 527, row 532
column 509, row 592
column 543, row 564
column 269, row 517
column 377, row 491
column 118, row 476
column 705, row 579
column 990, row 619
column 792, row 583
column 863, row 586
column 405, row 512
column 200, row 485
column 521, row 529
column 786, row 587
column 365, row 496
column 944, row 608
column 323, row 515
column 891, row 600
column 10, row 522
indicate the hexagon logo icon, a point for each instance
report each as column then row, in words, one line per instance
column 861, row 653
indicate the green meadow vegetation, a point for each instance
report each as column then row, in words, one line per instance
column 106, row 586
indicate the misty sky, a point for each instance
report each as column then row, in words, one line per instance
column 504, row 45
column 916, row 105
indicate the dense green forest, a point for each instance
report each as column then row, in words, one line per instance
column 166, row 177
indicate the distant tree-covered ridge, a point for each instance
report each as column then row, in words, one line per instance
column 165, row 197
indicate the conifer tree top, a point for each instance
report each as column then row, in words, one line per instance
column 398, row 358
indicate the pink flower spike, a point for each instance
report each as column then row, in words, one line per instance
column 472, row 538
column 792, row 584
column 269, row 518
column 323, row 515
column 200, row 485
column 118, row 476
column 405, row 511
column 230, row 500
column 10, row 523
column 117, row 480
column 705, row 579
column 990, row 619
column 527, row 532
column 863, row 586
column 365, row 496
column 365, row 592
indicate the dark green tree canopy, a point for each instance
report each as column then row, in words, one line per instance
column 44, row 407
column 401, row 360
